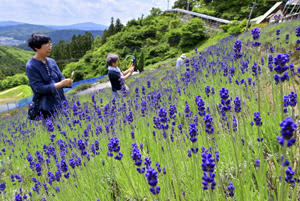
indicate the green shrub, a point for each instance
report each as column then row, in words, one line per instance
column 13, row 81
column 235, row 28
column 192, row 33
column 174, row 37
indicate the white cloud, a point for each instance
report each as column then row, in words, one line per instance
column 74, row 11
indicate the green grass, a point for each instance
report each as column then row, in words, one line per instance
column 15, row 94
column 11, row 56
column 212, row 40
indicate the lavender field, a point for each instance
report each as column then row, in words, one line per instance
column 224, row 128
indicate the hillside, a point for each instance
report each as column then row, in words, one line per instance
column 9, row 23
column 13, row 60
column 231, row 10
column 159, row 36
column 22, row 31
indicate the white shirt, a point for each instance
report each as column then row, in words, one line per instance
column 179, row 63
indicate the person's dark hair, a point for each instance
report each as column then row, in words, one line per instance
column 36, row 40
column 111, row 58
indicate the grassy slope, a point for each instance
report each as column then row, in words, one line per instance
column 12, row 57
column 15, row 94
column 283, row 47
column 212, row 40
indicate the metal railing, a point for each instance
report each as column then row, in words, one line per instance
column 25, row 101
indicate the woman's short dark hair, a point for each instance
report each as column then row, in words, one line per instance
column 36, row 40
column 111, row 58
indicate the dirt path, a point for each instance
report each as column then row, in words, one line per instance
column 97, row 87
column 94, row 88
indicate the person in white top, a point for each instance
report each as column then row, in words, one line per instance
column 180, row 62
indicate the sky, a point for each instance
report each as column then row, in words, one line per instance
column 66, row 12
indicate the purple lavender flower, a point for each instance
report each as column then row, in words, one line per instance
column 119, row 156
column 231, row 189
column 237, row 49
column 136, row 155
column 237, row 104
column 270, row 62
column 257, row 119
column 208, row 123
column 257, row 163
column 292, row 99
column 225, row 101
column 172, row 111
column 148, row 83
column 193, row 131
column 280, row 61
column 255, row 33
column 289, row 176
column 151, row 175
column 208, row 165
column 2, row 186
column 187, row 110
column 113, row 145
column 288, row 128
column 201, row 105
column 298, row 31
column 49, row 125
column 207, row 90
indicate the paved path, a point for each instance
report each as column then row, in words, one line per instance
column 94, row 88
column 97, row 87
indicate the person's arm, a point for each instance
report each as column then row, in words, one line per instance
column 36, row 82
column 129, row 73
column 128, row 70
column 63, row 81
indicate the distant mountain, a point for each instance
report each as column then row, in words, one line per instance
column 56, row 36
column 22, row 31
column 67, row 35
column 17, row 34
column 9, row 23
column 81, row 26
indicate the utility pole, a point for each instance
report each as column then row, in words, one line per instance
column 252, row 8
column 168, row 4
column 188, row 5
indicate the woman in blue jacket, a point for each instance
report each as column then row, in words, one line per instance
column 45, row 79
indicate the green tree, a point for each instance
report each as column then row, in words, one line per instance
column 118, row 26
column 174, row 37
column 155, row 12
column 141, row 62
column 239, row 9
column 192, row 33
column 184, row 4
column 96, row 42
column 109, row 32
